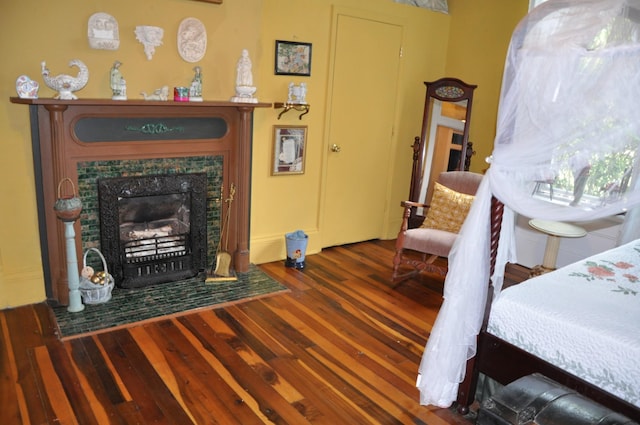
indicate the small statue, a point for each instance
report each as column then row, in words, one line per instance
column 303, row 93
column 195, row 91
column 118, row 83
column 158, row 94
column 244, row 80
column 297, row 94
column 291, row 96
column 27, row 88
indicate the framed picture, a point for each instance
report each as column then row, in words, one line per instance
column 289, row 144
column 293, row 58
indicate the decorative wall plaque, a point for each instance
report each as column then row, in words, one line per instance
column 150, row 37
column 103, row 32
column 192, row 40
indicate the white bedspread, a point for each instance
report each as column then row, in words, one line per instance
column 584, row 318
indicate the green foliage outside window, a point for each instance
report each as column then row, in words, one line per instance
column 608, row 175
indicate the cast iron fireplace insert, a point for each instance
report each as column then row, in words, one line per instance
column 153, row 227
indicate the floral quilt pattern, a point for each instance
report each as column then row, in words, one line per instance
column 583, row 318
column 620, row 273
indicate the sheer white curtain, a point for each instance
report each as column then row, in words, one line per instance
column 534, row 3
column 568, row 114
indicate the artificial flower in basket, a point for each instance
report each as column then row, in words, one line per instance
column 95, row 287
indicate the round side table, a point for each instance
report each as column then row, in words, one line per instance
column 554, row 231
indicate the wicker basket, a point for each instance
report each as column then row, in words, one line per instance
column 96, row 293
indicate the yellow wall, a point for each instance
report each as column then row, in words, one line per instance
column 57, row 32
column 295, row 202
column 478, row 43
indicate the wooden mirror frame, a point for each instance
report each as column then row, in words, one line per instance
column 444, row 90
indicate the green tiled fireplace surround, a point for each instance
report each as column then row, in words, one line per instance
column 135, row 305
column 90, row 171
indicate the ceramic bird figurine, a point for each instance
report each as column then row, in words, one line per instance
column 65, row 85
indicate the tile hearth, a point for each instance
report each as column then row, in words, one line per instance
column 128, row 306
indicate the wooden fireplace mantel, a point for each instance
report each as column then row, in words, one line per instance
column 57, row 150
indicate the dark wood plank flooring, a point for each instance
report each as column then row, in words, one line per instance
column 342, row 347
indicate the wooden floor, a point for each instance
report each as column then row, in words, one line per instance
column 342, row 347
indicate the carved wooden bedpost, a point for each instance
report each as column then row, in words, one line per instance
column 467, row 388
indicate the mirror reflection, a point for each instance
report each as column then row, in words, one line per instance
column 444, row 141
column 444, row 148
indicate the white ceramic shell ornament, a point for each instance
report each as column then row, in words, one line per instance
column 65, row 84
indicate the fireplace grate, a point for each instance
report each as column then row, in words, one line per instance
column 157, row 248
column 148, row 261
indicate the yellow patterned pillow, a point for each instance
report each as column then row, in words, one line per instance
column 448, row 209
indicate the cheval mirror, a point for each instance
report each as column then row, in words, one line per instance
column 444, row 142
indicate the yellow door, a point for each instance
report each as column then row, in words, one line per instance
column 361, row 114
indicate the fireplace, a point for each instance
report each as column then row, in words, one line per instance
column 153, row 228
column 89, row 140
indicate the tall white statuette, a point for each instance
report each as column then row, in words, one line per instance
column 244, row 80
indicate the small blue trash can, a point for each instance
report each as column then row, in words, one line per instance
column 296, row 248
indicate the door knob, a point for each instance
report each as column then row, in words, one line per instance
column 335, row 148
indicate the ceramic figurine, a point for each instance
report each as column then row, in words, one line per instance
column 244, row 77
column 244, row 80
column 103, row 32
column 27, row 88
column 192, row 40
column 65, row 85
column 195, row 90
column 150, row 37
column 158, row 94
column 297, row 94
column 118, row 83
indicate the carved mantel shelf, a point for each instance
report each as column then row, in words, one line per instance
column 64, row 135
column 138, row 102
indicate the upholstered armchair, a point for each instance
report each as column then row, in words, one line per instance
column 418, row 248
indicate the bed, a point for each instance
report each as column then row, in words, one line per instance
column 579, row 325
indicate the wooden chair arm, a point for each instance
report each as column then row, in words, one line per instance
column 407, row 205
column 411, row 204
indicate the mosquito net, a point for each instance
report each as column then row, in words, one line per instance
column 566, row 149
